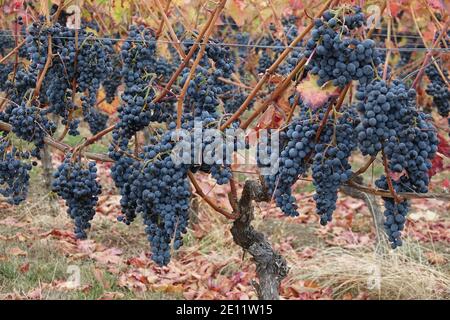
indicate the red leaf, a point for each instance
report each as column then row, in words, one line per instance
column 17, row 5
column 436, row 4
column 271, row 118
column 443, row 146
column 437, row 165
column 394, row 7
column 296, row 4
column 25, row 267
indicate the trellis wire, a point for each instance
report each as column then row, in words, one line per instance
column 227, row 44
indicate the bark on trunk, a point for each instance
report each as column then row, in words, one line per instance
column 271, row 267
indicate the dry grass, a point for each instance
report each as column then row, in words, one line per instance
column 404, row 273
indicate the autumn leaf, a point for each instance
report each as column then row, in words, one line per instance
column 109, row 108
column 108, row 256
column 235, row 9
column 16, row 251
column 436, row 4
column 138, row 262
column 296, row 4
column 443, row 146
column 437, row 165
column 271, row 118
column 435, row 258
column 394, row 8
column 111, row 296
column 24, row 268
column 100, row 277
column 313, row 95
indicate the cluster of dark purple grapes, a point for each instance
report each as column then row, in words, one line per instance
column 391, row 122
column 329, row 157
column 6, row 41
column 14, row 172
column 337, row 56
column 438, row 89
column 29, row 123
column 164, row 199
column 83, row 63
column 385, row 110
column 76, row 183
column 243, row 51
column 299, row 143
column 330, row 166
column 412, row 150
column 394, row 213
column 139, row 58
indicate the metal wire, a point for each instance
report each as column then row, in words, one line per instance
column 227, row 44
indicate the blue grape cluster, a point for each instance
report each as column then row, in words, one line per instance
column 165, row 199
column 164, row 69
column 6, row 44
column 5, row 70
column 138, row 54
column 394, row 213
column 14, row 172
column 6, row 41
column 202, row 95
column 124, row 172
column 77, row 67
column 335, row 55
column 113, row 80
column 30, row 124
column 391, row 122
column 243, row 51
column 385, row 110
column 266, row 55
column 299, row 139
column 412, row 150
column 93, row 65
column 438, row 89
column 331, row 167
column 76, row 183
column 36, row 43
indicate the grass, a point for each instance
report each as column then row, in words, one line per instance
column 400, row 274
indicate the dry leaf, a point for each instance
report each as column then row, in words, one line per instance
column 313, row 95
column 435, row 258
column 16, row 251
column 24, row 268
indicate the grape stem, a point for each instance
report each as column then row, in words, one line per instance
column 276, row 93
column 172, row 33
column 44, row 71
column 429, row 55
column 330, row 107
column 161, row 24
column 194, row 67
column 388, row 177
column 364, row 167
column 208, row 200
column 191, row 52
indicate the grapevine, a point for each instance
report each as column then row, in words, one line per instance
column 195, row 91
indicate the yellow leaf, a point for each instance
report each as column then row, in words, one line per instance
column 313, row 95
column 235, row 8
